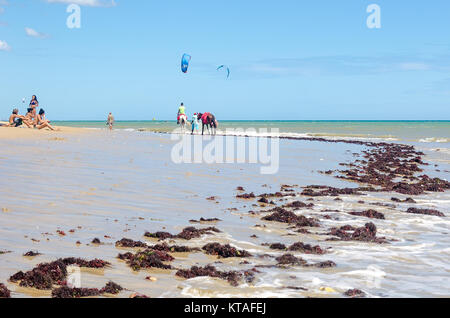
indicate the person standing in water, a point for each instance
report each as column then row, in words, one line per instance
column 194, row 123
column 110, row 121
column 181, row 111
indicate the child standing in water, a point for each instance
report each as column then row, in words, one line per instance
column 194, row 123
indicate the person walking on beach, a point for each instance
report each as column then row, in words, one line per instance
column 110, row 121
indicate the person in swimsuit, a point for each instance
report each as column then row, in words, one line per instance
column 42, row 122
column 15, row 120
column 34, row 104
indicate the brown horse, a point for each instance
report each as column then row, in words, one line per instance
column 209, row 121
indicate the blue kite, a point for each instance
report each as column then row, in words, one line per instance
column 185, row 62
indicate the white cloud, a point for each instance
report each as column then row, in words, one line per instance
column 35, row 34
column 4, row 46
column 87, row 3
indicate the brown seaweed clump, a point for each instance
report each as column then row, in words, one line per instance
column 284, row 216
column 246, row 196
column 368, row 233
column 130, row 243
column 147, row 259
column 67, row 292
column 407, row 200
column 325, row 191
column 174, row 248
column 45, row 275
column 355, row 293
column 203, row 220
column 306, row 248
column 289, row 259
column 425, row 212
column 31, row 254
column 187, row 233
column 233, row 277
column 298, row 205
column 4, row 292
column 224, row 251
column 111, row 288
column 371, row 214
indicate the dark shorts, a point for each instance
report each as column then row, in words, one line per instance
column 18, row 122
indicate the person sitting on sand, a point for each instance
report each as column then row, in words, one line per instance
column 42, row 122
column 15, row 120
column 29, row 118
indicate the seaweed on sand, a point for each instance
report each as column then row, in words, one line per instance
column 224, row 251
column 298, row 205
column 306, row 248
column 174, row 248
column 246, row 196
column 284, row 216
column 233, row 277
column 4, row 292
column 45, row 275
column 371, row 214
column 203, row 220
column 289, row 259
column 368, row 233
column 187, row 233
column 355, row 293
column 425, row 212
column 130, row 243
column 111, row 288
column 31, row 254
column 67, row 292
column 407, row 200
column 147, row 259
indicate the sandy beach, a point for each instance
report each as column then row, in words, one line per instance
column 61, row 190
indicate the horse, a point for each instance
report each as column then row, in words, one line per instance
column 208, row 121
column 183, row 120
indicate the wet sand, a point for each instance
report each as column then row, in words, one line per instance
column 114, row 185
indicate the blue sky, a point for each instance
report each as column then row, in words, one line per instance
column 289, row 59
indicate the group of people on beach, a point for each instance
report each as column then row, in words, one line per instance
column 208, row 121
column 32, row 119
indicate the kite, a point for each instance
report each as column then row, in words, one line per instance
column 185, row 62
column 227, row 68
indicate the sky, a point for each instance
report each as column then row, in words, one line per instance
column 289, row 59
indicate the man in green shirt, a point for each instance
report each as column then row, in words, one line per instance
column 181, row 111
